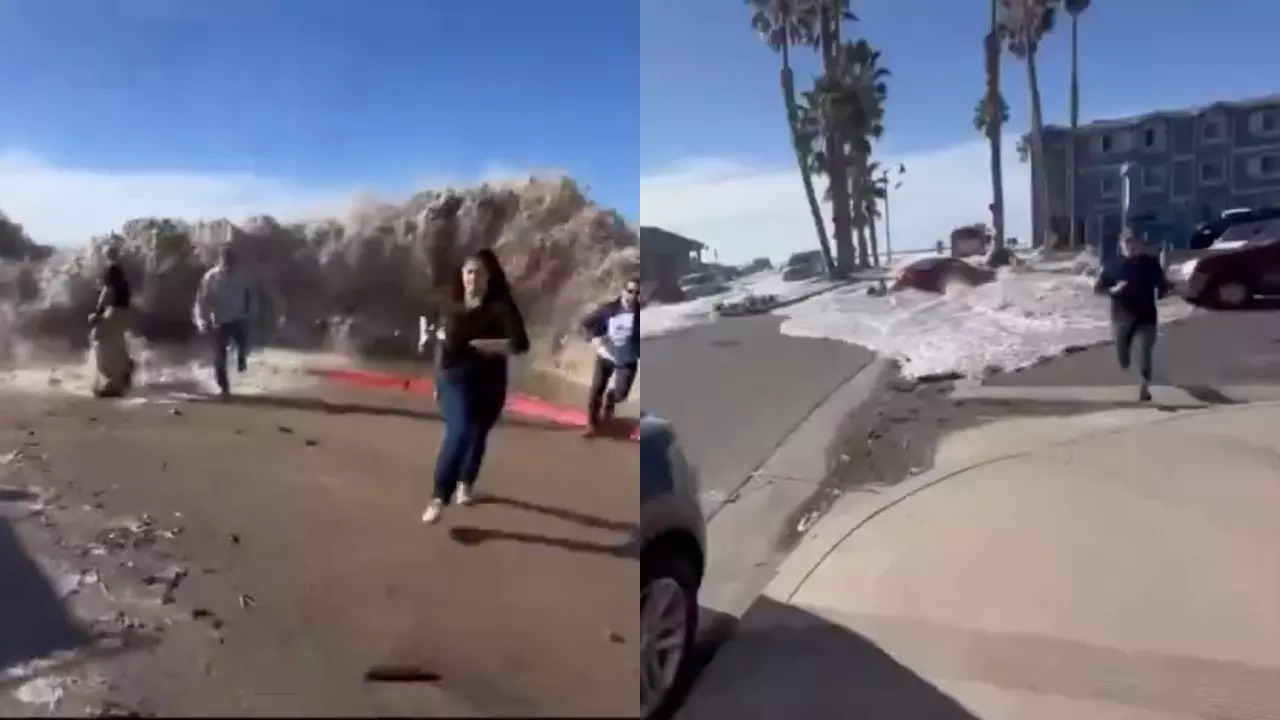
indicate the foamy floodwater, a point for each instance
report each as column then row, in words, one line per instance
column 168, row 379
column 1008, row 324
column 661, row 319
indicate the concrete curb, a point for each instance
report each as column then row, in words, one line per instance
column 742, row 534
column 854, row 511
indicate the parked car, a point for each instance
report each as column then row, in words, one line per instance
column 672, row 561
column 1208, row 233
column 1232, row 277
column 702, row 284
column 934, row 274
column 804, row 266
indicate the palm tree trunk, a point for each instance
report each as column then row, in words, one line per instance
column 1041, row 179
column 875, row 242
column 858, row 190
column 994, row 122
column 837, row 169
column 1075, row 123
column 802, row 158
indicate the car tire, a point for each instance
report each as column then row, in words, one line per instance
column 1229, row 293
column 663, row 568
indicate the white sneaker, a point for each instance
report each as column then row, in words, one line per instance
column 433, row 512
column 462, row 495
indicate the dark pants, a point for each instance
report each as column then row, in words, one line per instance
column 623, row 374
column 1129, row 331
column 235, row 332
column 469, row 414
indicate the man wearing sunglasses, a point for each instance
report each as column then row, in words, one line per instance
column 614, row 329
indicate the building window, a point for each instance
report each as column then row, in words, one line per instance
column 1212, row 130
column 1265, row 123
column 1153, row 178
column 1109, row 185
column 1106, row 144
column 1152, row 138
column 1265, row 166
column 1213, row 173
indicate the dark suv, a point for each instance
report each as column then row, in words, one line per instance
column 1232, row 277
column 1206, row 234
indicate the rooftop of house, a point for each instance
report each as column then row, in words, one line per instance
column 1191, row 112
column 651, row 235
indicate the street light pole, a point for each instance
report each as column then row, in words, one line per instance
column 883, row 182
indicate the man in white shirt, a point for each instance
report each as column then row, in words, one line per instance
column 226, row 303
column 614, row 329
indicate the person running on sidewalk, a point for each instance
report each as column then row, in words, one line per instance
column 226, row 302
column 1135, row 284
column 481, row 327
column 109, row 325
column 614, row 329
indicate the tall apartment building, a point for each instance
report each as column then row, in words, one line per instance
column 1187, row 166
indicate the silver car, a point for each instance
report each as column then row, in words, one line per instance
column 672, row 561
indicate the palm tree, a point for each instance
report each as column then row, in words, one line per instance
column 831, row 17
column 1074, row 8
column 1024, row 23
column 862, row 86
column 994, row 120
column 988, row 118
column 875, row 189
column 783, row 24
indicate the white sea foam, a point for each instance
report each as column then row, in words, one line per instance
column 1008, row 324
column 662, row 319
column 162, row 379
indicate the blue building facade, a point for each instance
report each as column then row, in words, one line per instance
column 1186, row 167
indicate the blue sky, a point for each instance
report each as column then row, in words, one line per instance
column 325, row 95
column 710, row 98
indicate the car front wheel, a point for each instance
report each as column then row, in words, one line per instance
column 668, row 627
column 1230, row 293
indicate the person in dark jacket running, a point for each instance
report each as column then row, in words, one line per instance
column 1135, row 284
column 614, row 329
column 481, row 327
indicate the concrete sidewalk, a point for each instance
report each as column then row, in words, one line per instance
column 1120, row 564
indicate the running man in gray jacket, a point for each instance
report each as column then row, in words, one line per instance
column 226, row 304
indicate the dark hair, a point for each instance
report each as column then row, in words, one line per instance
column 498, row 288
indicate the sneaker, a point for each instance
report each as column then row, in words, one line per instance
column 434, row 510
column 463, row 495
column 1144, row 394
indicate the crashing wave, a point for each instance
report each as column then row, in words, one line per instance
column 357, row 284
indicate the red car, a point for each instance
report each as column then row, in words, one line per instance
column 1232, row 277
column 934, row 274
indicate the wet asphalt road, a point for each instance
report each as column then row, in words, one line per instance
column 1206, row 350
column 735, row 388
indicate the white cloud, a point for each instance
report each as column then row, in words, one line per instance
column 745, row 211
column 68, row 205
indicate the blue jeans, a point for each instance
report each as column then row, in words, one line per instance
column 469, row 414
column 224, row 335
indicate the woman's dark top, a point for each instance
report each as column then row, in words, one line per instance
column 492, row 319
column 114, row 280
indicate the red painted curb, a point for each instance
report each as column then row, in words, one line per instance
column 520, row 403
